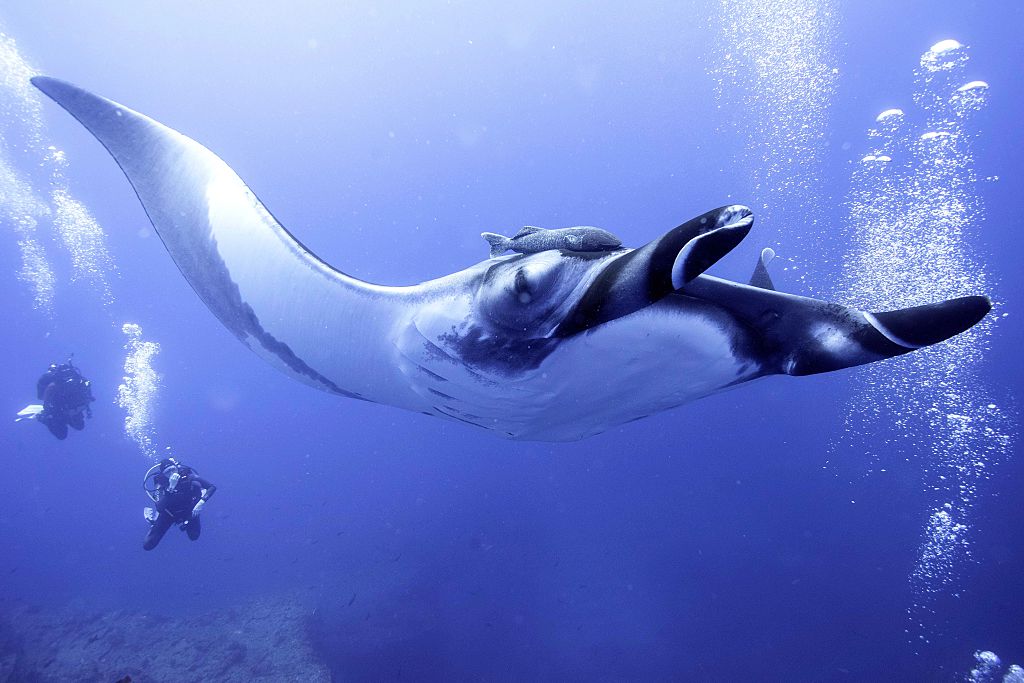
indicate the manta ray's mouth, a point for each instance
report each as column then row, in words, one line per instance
column 641, row 277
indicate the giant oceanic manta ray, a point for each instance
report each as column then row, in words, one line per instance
column 551, row 346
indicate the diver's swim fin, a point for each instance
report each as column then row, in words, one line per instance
column 29, row 412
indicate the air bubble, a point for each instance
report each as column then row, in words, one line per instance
column 26, row 206
column 781, row 64
column 138, row 391
column 944, row 46
column 889, row 114
column 910, row 230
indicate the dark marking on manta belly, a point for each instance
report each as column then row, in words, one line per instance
column 454, row 414
column 497, row 353
column 441, row 394
column 435, row 352
column 431, row 375
column 212, row 281
column 284, row 352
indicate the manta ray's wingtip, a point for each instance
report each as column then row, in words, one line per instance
column 921, row 326
column 50, row 86
column 69, row 96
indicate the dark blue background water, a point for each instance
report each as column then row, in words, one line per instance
column 715, row 542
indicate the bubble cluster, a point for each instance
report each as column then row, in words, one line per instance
column 29, row 201
column 85, row 241
column 21, row 209
column 913, row 220
column 20, row 106
column 774, row 58
column 1015, row 674
column 988, row 666
column 943, row 548
column 138, row 391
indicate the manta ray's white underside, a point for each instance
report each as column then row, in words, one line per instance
column 557, row 345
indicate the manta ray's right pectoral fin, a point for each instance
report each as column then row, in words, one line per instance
column 304, row 317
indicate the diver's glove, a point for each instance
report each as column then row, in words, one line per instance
column 173, row 483
column 198, row 507
column 151, row 515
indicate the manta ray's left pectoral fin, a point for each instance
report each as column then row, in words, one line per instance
column 920, row 326
column 796, row 335
column 861, row 338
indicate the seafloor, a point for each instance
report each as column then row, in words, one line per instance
column 261, row 641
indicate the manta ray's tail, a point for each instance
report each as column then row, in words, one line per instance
column 499, row 243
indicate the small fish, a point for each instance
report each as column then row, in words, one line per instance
column 532, row 239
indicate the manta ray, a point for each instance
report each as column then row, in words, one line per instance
column 556, row 345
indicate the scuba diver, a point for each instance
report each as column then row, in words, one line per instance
column 65, row 397
column 179, row 494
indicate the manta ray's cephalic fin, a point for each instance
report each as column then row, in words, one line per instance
column 643, row 276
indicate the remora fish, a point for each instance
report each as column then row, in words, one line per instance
column 531, row 240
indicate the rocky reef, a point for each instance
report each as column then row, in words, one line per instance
column 263, row 641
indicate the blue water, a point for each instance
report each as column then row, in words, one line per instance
column 729, row 539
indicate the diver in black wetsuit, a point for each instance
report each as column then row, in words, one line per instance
column 179, row 494
column 66, row 396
